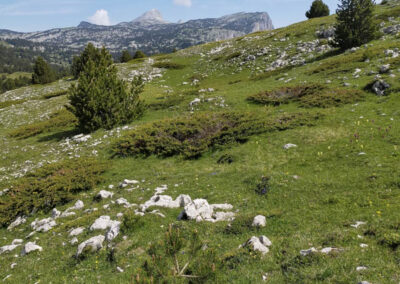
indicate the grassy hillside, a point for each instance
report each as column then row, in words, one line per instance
column 219, row 117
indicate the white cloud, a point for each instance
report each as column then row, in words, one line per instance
column 186, row 3
column 100, row 18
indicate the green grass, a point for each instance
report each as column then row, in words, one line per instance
column 345, row 169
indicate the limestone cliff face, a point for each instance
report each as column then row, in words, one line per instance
column 150, row 33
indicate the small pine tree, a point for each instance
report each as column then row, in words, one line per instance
column 90, row 53
column 355, row 23
column 42, row 72
column 318, row 9
column 101, row 99
column 126, row 56
column 139, row 54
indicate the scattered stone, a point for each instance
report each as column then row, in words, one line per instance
column 76, row 232
column 329, row 250
column 358, row 224
column 74, row 241
column 379, row 87
column 9, row 248
column 66, row 214
column 363, row 245
column 104, row 194
column 102, row 223
column 259, row 221
column 13, row 265
column 20, row 220
column 43, row 225
column 123, row 201
column 361, row 268
column 289, row 146
column 114, row 230
column 326, row 33
column 260, row 244
column 127, row 183
column 364, row 282
column 95, row 244
column 384, row 68
column 17, row 242
column 77, row 206
column 55, row 213
column 119, row 269
column 308, row 251
column 30, row 247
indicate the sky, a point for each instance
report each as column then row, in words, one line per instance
column 37, row 15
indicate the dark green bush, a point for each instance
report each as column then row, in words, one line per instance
column 190, row 136
column 57, row 120
column 168, row 65
column 126, row 56
column 48, row 187
column 332, row 98
column 233, row 55
column 139, row 54
column 391, row 240
column 308, row 96
column 318, row 9
column 285, row 95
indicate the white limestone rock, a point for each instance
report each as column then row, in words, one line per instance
column 95, row 244
column 30, row 247
column 259, row 221
column 260, row 244
column 289, row 146
column 43, row 225
column 9, row 248
column 104, row 194
column 20, row 220
column 76, row 232
column 308, row 251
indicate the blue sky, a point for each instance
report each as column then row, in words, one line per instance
column 34, row 15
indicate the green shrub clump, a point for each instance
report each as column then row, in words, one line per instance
column 55, row 94
column 168, row 65
column 101, row 99
column 57, row 120
column 314, row 95
column 48, row 187
column 190, row 136
column 11, row 103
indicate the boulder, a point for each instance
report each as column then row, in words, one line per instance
column 74, row 241
column 55, row 213
column 114, row 230
column 30, row 247
column 102, row 223
column 95, row 244
column 76, row 232
column 20, row 220
column 289, row 146
column 308, row 251
column 43, row 225
column 326, row 33
column 198, row 210
column 123, row 201
column 104, row 194
column 259, row 221
column 127, row 183
column 384, row 68
column 379, row 87
column 260, row 244
column 9, row 248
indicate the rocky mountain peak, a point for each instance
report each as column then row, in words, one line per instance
column 150, row 17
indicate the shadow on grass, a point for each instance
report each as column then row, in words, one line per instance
column 61, row 135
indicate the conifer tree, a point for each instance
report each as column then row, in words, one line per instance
column 126, row 56
column 42, row 72
column 355, row 23
column 101, row 99
column 318, row 9
column 91, row 53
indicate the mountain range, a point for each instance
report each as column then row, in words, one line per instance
column 149, row 33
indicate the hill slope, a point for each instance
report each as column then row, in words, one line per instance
column 234, row 105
